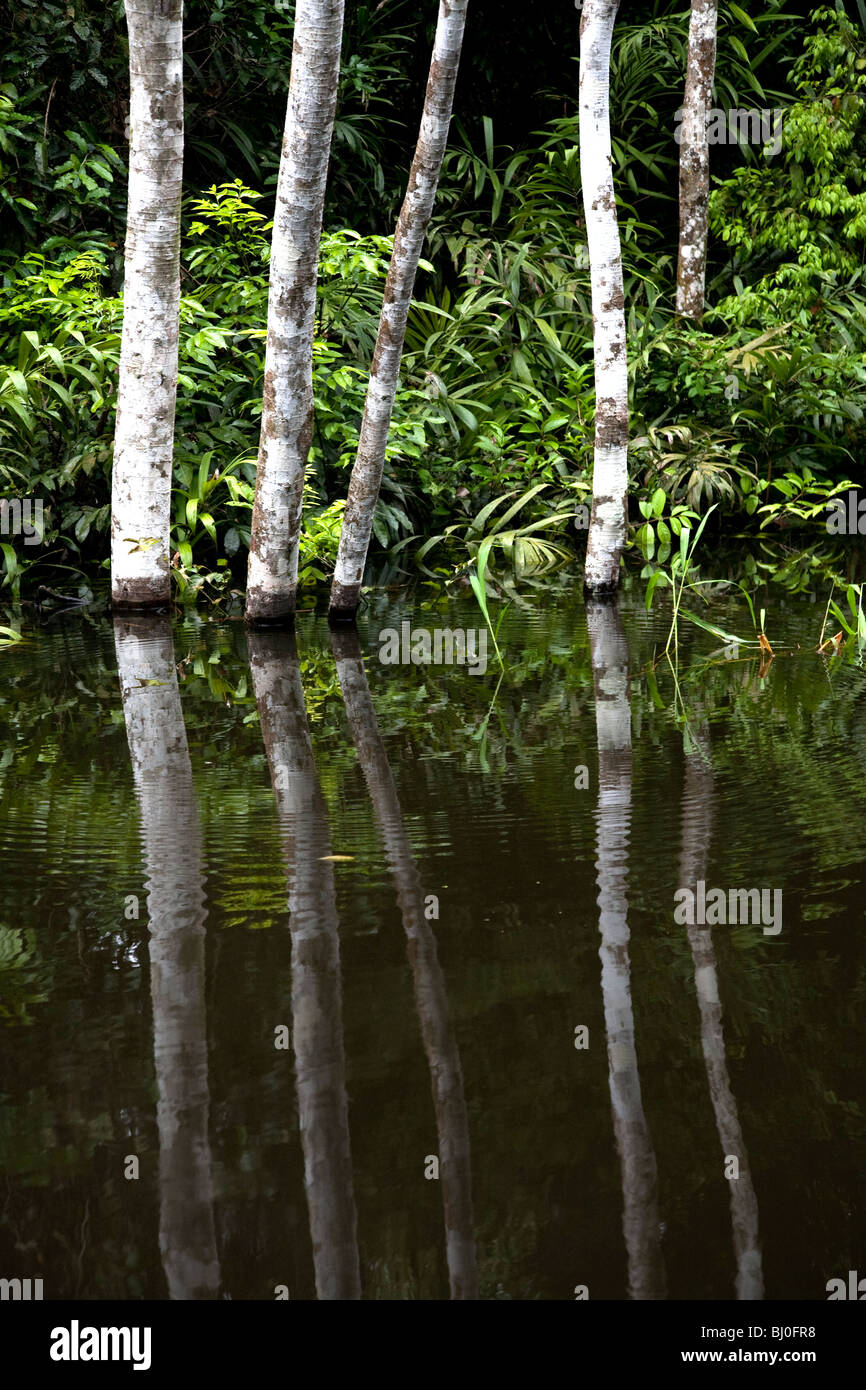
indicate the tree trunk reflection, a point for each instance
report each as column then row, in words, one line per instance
column 317, row 1032
column 609, row 652
column 176, row 918
column 429, row 982
column 697, row 823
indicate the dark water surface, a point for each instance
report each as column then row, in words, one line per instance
column 374, row 904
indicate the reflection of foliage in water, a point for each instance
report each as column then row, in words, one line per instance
column 19, row 967
column 518, row 937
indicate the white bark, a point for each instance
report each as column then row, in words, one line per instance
column 609, row 651
column 176, row 922
column 607, row 526
column 147, row 380
column 695, row 159
column 287, row 402
column 317, row 1020
column 431, row 997
column 697, row 819
column 408, row 241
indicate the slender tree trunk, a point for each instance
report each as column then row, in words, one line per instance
column 408, row 240
column 609, row 651
column 697, row 824
column 607, row 524
column 287, row 402
column 176, row 924
column 695, row 159
column 431, row 996
column 317, row 1020
column 147, row 382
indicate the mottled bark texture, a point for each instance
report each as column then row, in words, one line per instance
column 147, row 380
column 431, row 996
column 317, row 1018
column 695, row 159
column 174, row 864
column 697, row 824
column 609, row 654
column 607, row 523
column 408, row 241
column 287, row 401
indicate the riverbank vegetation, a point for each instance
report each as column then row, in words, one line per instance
column 758, row 411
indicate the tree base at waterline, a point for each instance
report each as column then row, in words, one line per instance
column 345, row 602
column 141, row 595
column 601, row 593
column 601, row 574
column 266, row 610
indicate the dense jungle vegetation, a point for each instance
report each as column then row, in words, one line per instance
column 759, row 412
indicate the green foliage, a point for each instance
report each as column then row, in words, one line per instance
column 812, row 223
column 800, row 497
column 526, row 551
column 679, row 576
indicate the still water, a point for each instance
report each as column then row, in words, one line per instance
column 324, row 977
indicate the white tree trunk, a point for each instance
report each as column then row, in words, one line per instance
column 695, row 159
column 408, row 241
column 176, row 924
column 697, row 821
column 609, row 651
column 440, row 1044
column 287, row 402
column 607, row 525
column 317, row 1020
column 147, row 381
